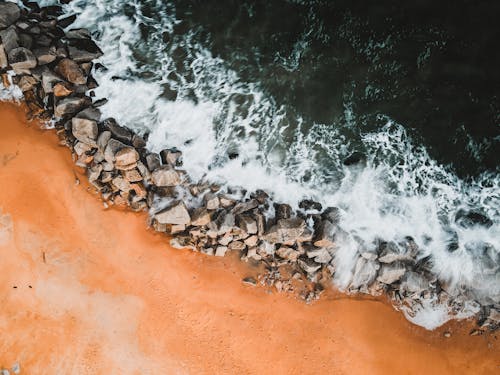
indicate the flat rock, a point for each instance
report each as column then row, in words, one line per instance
column 221, row 251
column 71, row 71
column 126, row 158
column 84, row 130
column 71, row 105
column 21, row 60
column 286, row 231
column 10, row 39
column 390, row 274
column 165, row 176
column 9, row 13
column 177, row 213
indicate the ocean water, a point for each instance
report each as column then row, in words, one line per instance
column 389, row 112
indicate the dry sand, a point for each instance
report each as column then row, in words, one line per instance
column 84, row 290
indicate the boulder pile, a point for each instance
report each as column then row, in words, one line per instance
column 53, row 64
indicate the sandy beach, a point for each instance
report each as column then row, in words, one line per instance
column 89, row 290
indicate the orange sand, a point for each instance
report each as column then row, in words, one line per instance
column 84, row 290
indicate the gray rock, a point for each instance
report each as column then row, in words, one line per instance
column 81, row 55
column 80, row 33
column 251, row 241
column 71, row 105
column 90, row 113
column 365, row 273
column 283, row 211
column 224, row 222
column 176, row 213
column 4, row 62
column 320, row 255
column 324, row 234
column 21, row 60
column 309, row 265
column 103, row 139
column 85, row 131
column 112, row 147
column 391, row 273
column 211, row 201
column 201, row 217
column 220, row 251
column 27, row 83
column 165, row 176
column 286, row 231
column 332, row 214
column 9, row 13
column 45, row 55
column 171, row 157
column 226, row 201
column 414, row 283
column 49, row 80
column 247, row 223
column 119, row 132
column 121, row 183
column 245, row 206
column 236, row 246
column 10, row 39
column 153, row 161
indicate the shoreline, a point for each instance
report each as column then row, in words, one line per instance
column 55, row 82
column 106, row 299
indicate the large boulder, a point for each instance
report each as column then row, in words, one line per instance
column 119, row 132
column 71, row 105
column 165, row 176
column 21, row 60
column 71, row 71
column 9, row 13
column 84, row 130
column 391, row 273
column 176, row 213
column 84, row 50
column 10, row 39
column 126, row 159
column 286, row 231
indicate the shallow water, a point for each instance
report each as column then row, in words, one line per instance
column 278, row 95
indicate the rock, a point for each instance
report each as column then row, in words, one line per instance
column 112, row 147
column 309, row 204
column 132, row 175
column 245, row 206
column 178, row 228
column 103, row 139
column 27, row 83
column 119, row 132
column 249, row 281
column 286, row 231
column 165, row 176
column 324, row 234
column 84, row 51
column 181, row 242
column 220, row 251
column 236, row 246
column 90, row 113
column 211, row 201
column 171, row 157
column 10, row 39
column 224, row 222
column 283, row 211
column 9, row 13
column 494, row 315
column 126, row 158
column 71, row 71
column 365, row 273
column 94, row 172
column 201, row 217
column 390, row 253
column 81, row 148
column 45, row 55
column 21, row 60
column 60, row 90
column 251, row 241
column 332, row 214
column 288, row 253
column 138, row 141
column 176, row 213
column 80, row 33
column 252, row 254
column 153, row 161
column 4, row 62
column 49, row 80
column 390, row 274
column 71, row 105
column 369, row 254
column 320, row 255
column 447, row 334
column 139, row 190
column 121, row 184
column 226, row 201
column 84, row 130
column 247, row 224
column 308, row 265
column 414, row 283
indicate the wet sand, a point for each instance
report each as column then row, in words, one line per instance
column 85, row 290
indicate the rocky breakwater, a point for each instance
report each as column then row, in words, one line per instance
column 52, row 65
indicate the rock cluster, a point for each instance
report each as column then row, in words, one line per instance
column 53, row 69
